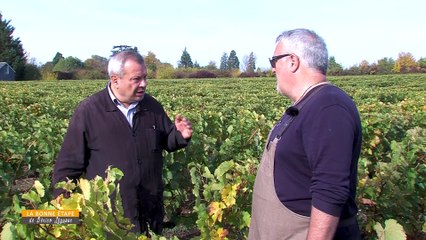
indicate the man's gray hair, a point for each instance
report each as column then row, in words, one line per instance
column 308, row 46
column 117, row 61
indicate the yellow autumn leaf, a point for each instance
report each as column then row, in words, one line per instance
column 57, row 202
column 57, row 231
column 222, row 233
column 215, row 211
column 143, row 237
column 229, row 194
column 85, row 188
column 375, row 141
column 73, row 202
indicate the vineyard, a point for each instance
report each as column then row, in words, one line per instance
column 208, row 186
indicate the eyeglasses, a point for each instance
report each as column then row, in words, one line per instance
column 275, row 59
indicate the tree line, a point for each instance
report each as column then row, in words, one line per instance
column 95, row 67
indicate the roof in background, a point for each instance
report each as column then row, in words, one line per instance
column 2, row 64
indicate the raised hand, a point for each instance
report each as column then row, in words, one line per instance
column 184, row 126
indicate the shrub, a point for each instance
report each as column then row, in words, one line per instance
column 202, row 74
column 249, row 74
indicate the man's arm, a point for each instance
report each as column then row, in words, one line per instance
column 330, row 147
column 71, row 159
column 322, row 226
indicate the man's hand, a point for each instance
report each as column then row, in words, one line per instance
column 184, row 126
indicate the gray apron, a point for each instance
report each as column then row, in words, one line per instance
column 270, row 219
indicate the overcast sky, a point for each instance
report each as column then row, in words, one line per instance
column 353, row 30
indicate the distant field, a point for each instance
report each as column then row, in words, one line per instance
column 232, row 118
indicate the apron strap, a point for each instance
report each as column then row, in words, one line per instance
column 293, row 111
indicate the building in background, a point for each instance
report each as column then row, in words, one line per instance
column 6, row 72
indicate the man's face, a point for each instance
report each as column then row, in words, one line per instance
column 281, row 68
column 131, row 86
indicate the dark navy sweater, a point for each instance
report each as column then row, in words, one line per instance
column 317, row 157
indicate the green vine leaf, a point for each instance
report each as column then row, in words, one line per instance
column 223, row 168
column 8, row 232
column 39, row 188
column 392, row 231
column 31, row 196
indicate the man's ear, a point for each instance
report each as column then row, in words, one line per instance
column 114, row 81
column 294, row 63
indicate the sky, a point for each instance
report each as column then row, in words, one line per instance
column 353, row 30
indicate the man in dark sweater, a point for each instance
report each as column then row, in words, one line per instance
column 306, row 183
column 124, row 127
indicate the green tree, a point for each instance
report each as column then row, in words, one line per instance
column 96, row 62
column 224, row 62
column 353, row 70
column 250, row 63
column 11, row 50
column 422, row 64
column 32, row 72
column 197, row 65
column 58, row 56
column 385, row 65
column 364, row 67
column 334, row 68
column 405, row 63
column 233, row 62
column 211, row 66
column 46, row 71
column 68, row 65
column 121, row 48
column 152, row 64
column 185, row 60
column 165, row 71
column 94, row 68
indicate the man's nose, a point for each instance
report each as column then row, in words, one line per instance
column 143, row 83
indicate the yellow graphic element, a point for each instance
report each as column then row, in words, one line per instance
column 50, row 213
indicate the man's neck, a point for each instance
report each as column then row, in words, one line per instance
column 116, row 96
column 307, row 83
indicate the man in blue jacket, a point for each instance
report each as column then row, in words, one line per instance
column 124, row 127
